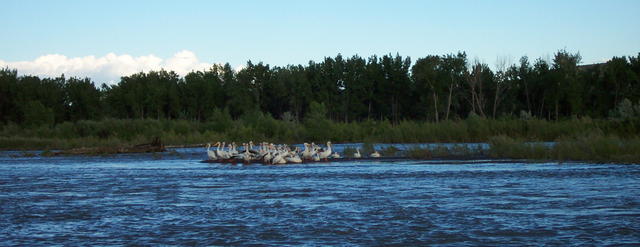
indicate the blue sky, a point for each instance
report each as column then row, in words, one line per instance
column 294, row 32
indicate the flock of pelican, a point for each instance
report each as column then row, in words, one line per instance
column 269, row 153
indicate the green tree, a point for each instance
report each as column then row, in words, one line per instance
column 374, row 79
column 201, row 93
column 428, row 87
column 240, row 95
column 317, row 125
column 298, row 90
column 275, row 95
column 541, row 82
column 36, row 114
column 82, row 99
column 397, row 85
column 567, row 83
column 452, row 71
column 8, row 95
column 355, row 89
column 478, row 82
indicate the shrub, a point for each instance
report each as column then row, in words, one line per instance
column 36, row 114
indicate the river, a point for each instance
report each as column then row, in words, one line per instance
column 174, row 199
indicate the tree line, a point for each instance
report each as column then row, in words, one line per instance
column 433, row 88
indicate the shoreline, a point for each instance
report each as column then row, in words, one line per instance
column 444, row 160
column 597, row 148
column 435, row 160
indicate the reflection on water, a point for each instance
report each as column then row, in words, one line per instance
column 136, row 199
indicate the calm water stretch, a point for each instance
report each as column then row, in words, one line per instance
column 176, row 200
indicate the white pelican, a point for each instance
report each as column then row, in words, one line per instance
column 254, row 152
column 307, row 153
column 375, row 154
column 221, row 153
column 233, row 149
column 263, row 150
column 316, row 157
column 357, row 153
column 326, row 153
column 293, row 157
column 267, row 158
column 278, row 158
column 211, row 154
column 246, row 155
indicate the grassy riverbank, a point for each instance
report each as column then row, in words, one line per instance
column 595, row 147
column 577, row 139
column 259, row 127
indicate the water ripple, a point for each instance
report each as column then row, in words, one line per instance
column 138, row 200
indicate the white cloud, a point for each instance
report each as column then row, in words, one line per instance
column 106, row 69
column 239, row 67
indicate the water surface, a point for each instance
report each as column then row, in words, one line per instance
column 176, row 200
